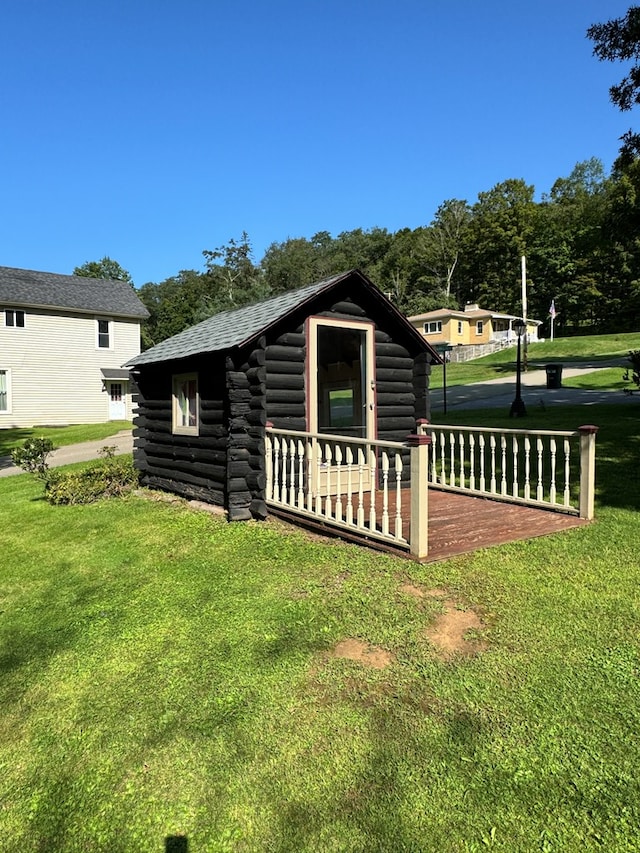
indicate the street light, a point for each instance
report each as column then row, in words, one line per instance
column 517, row 407
column 444, row 350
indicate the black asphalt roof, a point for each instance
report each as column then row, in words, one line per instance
column 31, row 289
column 239, row 326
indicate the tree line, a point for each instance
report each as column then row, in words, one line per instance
column 581, row 242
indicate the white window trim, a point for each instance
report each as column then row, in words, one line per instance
column 15, row 311
column 460, row 327
column 176, row 427
column 479, row 327
column 8, row 410
column 436, row 331
column 110, row 322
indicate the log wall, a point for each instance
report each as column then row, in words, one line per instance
column 193, row 466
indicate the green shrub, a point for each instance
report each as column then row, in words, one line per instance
column 111, row 478
column 32, row 456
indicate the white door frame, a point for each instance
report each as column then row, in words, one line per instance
column 368, row 373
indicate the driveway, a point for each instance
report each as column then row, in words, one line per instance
column 499, row 393
column 122, row 441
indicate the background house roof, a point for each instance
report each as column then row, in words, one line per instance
column 31, row 289
column 239, row 326
column 474, row 314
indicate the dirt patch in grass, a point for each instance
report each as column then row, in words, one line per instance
column 456, row 632
column 361, row 652
column 418, row 592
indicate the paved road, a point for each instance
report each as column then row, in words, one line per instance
column 499, row 393
column 123, row 442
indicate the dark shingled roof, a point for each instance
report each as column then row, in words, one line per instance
column 31, row 289
column 232, row 328
column 241, row 325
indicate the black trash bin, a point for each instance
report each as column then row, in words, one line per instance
column 554, row 375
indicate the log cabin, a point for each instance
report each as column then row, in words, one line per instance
column 335, row 357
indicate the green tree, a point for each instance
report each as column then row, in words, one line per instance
column 233, row 279
column 566, row 249
column 498, row 234
column 443, row 242
column 106, row 268
column 619, row 40
column 173, row 305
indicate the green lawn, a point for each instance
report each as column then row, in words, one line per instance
column 11, row 438
column 593, row 349
column 167, row 674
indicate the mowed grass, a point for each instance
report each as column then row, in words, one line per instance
column 167, row 675
column 59, row 435
column 592, row 349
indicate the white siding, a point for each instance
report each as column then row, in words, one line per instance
column 55, row 366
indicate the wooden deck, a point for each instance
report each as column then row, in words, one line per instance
column 460, row 524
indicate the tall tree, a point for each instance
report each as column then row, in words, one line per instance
column 498, row 235
column 443, row 242
column 106, row 268
column 619, row 40
column 233, row 279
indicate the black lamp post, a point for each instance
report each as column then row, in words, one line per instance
column 517, row 407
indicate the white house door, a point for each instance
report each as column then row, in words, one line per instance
column 117, row 402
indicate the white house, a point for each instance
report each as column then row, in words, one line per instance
column 63, row 341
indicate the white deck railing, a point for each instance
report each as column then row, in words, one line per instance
column 543, row 468
column 347, row 482
column 358, row 485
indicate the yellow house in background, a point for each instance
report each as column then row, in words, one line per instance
column 472, row 327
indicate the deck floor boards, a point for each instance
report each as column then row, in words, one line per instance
column 460, row 524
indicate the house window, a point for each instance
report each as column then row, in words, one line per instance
column 104, row 334
column 459, row 327
column 14, row 318
column 4, row 391
column 185, row 404
column 433, row 327
column 479, row 327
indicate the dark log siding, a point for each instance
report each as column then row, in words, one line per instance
column 246, row 480
column 241, row 389
column 193, row 466
column 286, row 401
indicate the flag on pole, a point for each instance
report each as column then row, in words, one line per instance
column 552, row 309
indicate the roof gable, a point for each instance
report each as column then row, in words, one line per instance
column 32, row 289
column 240, row 326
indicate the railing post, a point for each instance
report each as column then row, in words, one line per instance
column 268, row 457
column 587, row 469
column 419, row 521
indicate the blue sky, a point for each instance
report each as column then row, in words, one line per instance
column 149, row 130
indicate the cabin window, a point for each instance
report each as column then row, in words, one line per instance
column 479, row 327
column 104, row 334
column 185, row 404
column 459, row 327
column 14, row 318
column 433, row 327
column 4, row 391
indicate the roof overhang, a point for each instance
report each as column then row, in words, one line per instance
column 115, row 374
